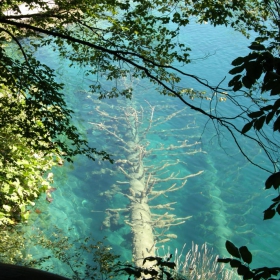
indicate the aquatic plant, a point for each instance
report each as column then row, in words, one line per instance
column 200, row 263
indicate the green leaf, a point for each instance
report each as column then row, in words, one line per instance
column 7, row 208
column 19, row 191
column 2, row 215
column 25, row 215
column 247, row 127
column 22, row 208
column 245, row 254
column 232, row 249
column 269, row 214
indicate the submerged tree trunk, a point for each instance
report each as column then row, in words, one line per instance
column 148, row 229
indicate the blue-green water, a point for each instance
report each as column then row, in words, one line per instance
column 225, row 202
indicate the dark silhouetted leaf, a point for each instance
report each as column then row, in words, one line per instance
column 245, row 254
column 234, row 80
column 237, row 86
column 251, row 56
column 258, row 71
column 267, row 108
column 269, row 117
column 243, row 270
column 235, row 263
column 226, row 260
column 264, row 274
column 239, row 60
column 276, row 89
column 236, row 70
column 276, row 199
column 276, row 125
column 259, row 123
column 257, row 47
column 247, row 127
column 261, row 39
column 256, row 114
column 247, row 82
column 272, row 205
column 273, row 180
column 269, row 214
column 278, row 209
column 169, row 258
column 232, row 249
column 150, row 272
column 131, row 271
column 254, row 70
column 151, row 259
column 249, row 275
column 274, row 270
column 276, row 105
column 171, row 265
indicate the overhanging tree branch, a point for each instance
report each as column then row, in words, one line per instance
column 126, row 56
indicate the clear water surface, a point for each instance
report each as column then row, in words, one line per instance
column 226, row 201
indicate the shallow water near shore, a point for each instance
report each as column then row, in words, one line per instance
column 226, row 201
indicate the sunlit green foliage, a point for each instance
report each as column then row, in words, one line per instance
column 81, row 258
column 242, row 15
column 12, row 245
column 115, row 39
column 23, row 175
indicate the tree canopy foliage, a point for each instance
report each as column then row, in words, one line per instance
column 113, row 39
column 117, row 39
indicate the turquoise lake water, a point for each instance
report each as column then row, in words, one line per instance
column 226, row 201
